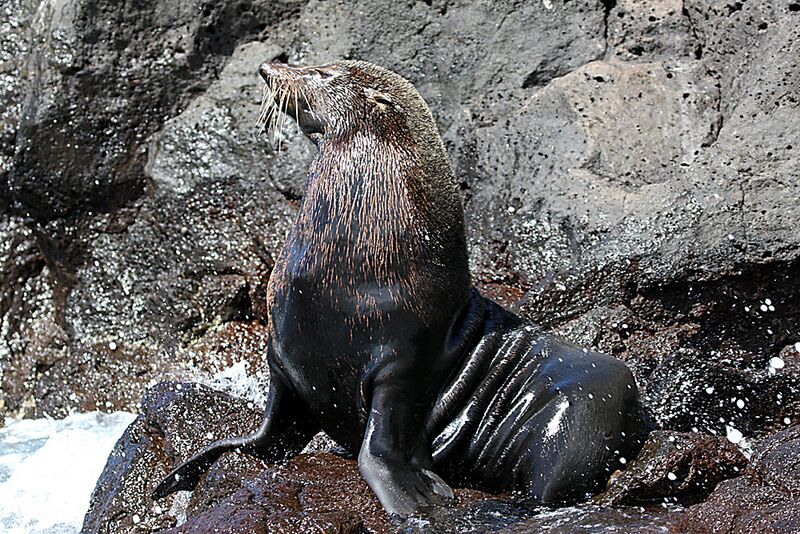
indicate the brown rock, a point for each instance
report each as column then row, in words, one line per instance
column 765, row 499
column 318, row 492
column 230, row 517
column 265, row 503
column 176, row 420
column 683, row 466
column 321, row 492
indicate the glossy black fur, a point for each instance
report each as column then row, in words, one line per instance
column 377, row 338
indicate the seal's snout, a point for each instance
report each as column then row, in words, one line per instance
column 267, row 70
column 272, row 70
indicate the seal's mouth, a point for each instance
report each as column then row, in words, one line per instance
column 288, row 92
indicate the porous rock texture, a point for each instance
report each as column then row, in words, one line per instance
column 674, row 467
column 629, row 169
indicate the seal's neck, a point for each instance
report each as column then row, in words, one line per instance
column 384, row 209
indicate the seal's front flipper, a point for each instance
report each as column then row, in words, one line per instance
column 401, row 487
column 286, row 428
column 395, row 457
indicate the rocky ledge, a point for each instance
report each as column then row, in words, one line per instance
column 321, row 490
column 316, row 492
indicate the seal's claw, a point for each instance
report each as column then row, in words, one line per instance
column 422, row 489
column 439, row 486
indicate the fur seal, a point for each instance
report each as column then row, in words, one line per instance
column 378, row 338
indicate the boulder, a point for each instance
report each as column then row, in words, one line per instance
column 764, row 499
column 674, row 467
column 114, row 256
column 175, row 421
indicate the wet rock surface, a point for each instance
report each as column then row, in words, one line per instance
column 675, row 467
column 764, row 499
column 630, row 174
column 175, row 421
column 316, row 491
column 588, row 519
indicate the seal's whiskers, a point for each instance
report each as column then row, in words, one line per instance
column 280, row 119
column 296, row 109
column 276, row 120
column 264, row 112
column 272, row 114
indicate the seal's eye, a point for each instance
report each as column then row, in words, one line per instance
column 382, row 99
column 322, row 72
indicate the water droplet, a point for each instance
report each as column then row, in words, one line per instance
column 776, row 362
column 733, row 435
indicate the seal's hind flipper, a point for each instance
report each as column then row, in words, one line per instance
column 186, row 476
column 286, row 428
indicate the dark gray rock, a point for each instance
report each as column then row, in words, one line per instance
column 103, row 79
column 17, row 16
column 149, row 277
column 630, row 175
column 655, row 30
column 592, row 518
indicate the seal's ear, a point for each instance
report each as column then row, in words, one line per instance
column 381, row 99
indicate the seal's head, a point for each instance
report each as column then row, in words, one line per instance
column 342, row 99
